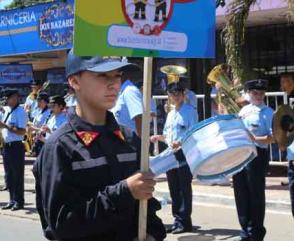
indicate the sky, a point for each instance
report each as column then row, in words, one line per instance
column 3, row 3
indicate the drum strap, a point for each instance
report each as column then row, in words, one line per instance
column 14, row 108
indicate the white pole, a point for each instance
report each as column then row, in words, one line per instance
column 142, row 233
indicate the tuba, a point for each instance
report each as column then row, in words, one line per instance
column 173, row 73
column 228, row 93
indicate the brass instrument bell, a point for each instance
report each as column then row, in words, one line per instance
column 173, row 72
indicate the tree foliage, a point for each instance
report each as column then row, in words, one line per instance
column 25, row 3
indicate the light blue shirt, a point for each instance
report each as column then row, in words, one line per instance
column 191, row 98
column 55, row 122
column 33, row 104
column 17, row 118
column 41, row 118
column 128, row 105
column 290, row 152
column 178, row 122
column 153, row 107
column 258, row 120
column 71, row 100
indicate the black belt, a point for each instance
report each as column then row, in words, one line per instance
column 12, row 143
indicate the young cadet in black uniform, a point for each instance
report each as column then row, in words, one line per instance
column 87, row 179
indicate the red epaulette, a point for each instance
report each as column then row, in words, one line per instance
column 87, row 136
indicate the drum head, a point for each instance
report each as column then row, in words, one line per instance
column 225, row 163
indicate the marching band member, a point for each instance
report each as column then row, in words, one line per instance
column 178, row 121
column 31, row 105
column 13, row 127
column 190, row 96
column 128, row 111
column 70, row 100
column 249, row 184
column 160, row 7
column 87, row 179
column 40, row 120
column 287, row 85
column 57, row 118
column 140, row 9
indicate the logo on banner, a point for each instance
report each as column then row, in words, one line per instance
column 10, row 74
column 148, row 17
column 56, row 25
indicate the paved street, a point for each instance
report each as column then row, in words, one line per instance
column 211, row 223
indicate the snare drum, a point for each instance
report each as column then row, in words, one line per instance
column 218, row 147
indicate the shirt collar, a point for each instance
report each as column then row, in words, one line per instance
column 79, row 124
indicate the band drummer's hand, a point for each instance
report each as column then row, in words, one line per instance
column 141, row 185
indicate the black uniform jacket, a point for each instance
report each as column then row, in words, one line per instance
column 81, row 191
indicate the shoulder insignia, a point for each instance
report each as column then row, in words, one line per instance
column 87, row 136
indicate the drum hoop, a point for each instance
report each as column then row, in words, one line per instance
column 230, row 172
column 206, row 122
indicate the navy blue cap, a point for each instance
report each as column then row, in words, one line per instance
column 75, row 64
column 175, row 87
column 57, row 99
column 257, row 84
column 43, row 96
column 9, row 92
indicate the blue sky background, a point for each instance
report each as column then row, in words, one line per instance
column 3, row 3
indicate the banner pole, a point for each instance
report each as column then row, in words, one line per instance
column 142, row 233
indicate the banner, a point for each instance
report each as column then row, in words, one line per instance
column 16, row 73
column 40, row 28
column 56, row 76
column 158, row 28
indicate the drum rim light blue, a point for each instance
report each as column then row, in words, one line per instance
column 206, row 122
column 230, row 172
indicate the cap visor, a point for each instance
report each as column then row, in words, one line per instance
column 110, row 66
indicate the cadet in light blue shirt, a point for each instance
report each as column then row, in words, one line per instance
column 190, row 96
column 31, row 104
column 13, row 125
column 70, row 100
column 39, row 121
column 178, row 122
column 249, row 184
column 128, row 106
column 44, row 112
column 58, row 118
column 128, row 112
column 258, row 120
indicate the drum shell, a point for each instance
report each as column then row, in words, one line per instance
column 218, row 147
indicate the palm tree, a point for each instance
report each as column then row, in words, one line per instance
column 233, row 34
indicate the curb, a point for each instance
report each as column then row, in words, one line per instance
column 201, row 198
column 222, row 200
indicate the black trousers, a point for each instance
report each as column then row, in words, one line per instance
column 249, row 190
column 179, row 183
column 140, row 7
column 38, row 147
column 291, row 183
column 13, row 159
